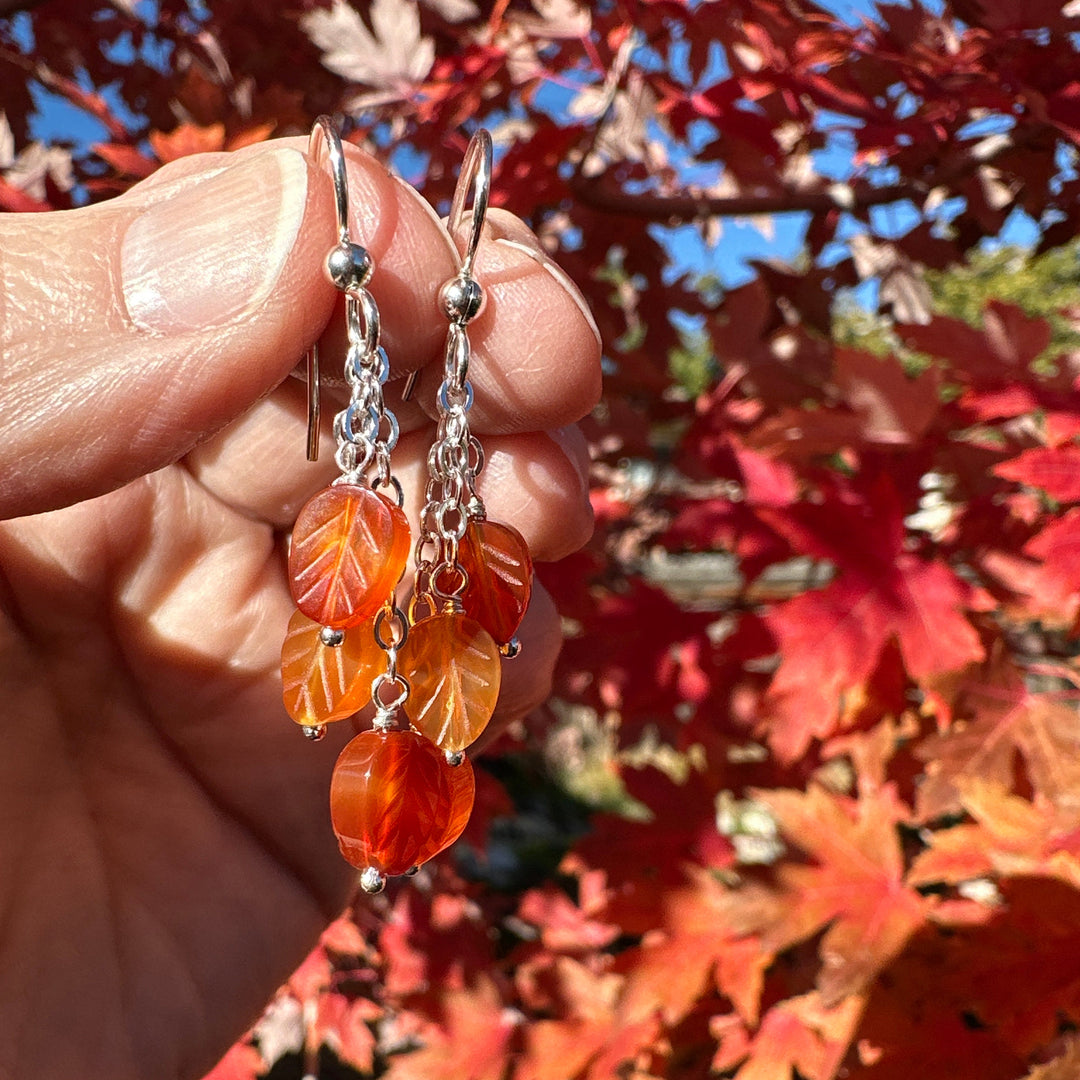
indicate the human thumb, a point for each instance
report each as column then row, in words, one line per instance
column 134, row 328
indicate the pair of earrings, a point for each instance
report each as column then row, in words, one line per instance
column 403, row 790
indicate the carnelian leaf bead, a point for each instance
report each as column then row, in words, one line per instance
column 497, row 560
column 349, row 549
column 454, row 671
column 321, row 683
column 395, row 802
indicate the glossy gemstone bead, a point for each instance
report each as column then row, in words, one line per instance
column 497, row 560
column 321, row 683
column 395, row 801
column 349, row 549
column 454, row 670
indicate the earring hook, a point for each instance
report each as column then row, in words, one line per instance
column 324, row 127
column 340, row 260
column 474, row 179
column 475, row 176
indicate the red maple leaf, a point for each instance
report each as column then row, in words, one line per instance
column 566, row 926
column 830, row 639
column 801, row 1037
column 999, row 353
column 187, row 139
column 1057, row 547
column 1054, row 469
column 893, row 409
column 638, row 855
column 343, row 1024
column 984, row 997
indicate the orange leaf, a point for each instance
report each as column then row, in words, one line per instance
column 801, row 1034
column 349, row 548
column 250, row 136
column 1005, row 720
column 855, row 888
column 700, row 941
column 1011, row 836
column 187, row 139
column 558, row 1049
column 473, row 1041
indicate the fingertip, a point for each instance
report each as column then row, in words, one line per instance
column 528, row 678
column 539, row 483
column 536, row 351
column 413, row 256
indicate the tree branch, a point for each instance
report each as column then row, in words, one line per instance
column 673, row 208
column 611, row 199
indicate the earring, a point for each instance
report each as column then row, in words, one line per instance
column 473, row 577
column 395, row 800
column 350, row 542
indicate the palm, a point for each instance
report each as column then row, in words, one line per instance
column 167, row 848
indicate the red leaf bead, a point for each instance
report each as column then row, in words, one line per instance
column 497, row 560
column 349, row 549
column 395, row 801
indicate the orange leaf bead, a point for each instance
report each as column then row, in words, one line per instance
column 395, row 801
column 321, row 683
column 454, row 670
column 349, row 549
column 499, row 566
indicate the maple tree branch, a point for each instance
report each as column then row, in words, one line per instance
column 608, row 198
column 690, row 207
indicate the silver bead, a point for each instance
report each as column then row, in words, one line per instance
column 461, row 299
column 331, row 637
column 454, row 757
column 349, row 266
column 412, row 871
column 372, row 882
column 313, row 732
column 512, row 649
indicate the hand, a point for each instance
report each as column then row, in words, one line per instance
column 166, row 856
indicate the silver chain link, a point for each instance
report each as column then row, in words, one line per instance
column 366, row 430
column 452, row 468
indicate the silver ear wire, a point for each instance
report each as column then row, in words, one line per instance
column 461, row 298
column 348, row 265
column 475, row 175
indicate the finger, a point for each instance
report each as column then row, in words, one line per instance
column 527, row 679
column 134, row 328
column 537, row 481
column 535, row 346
